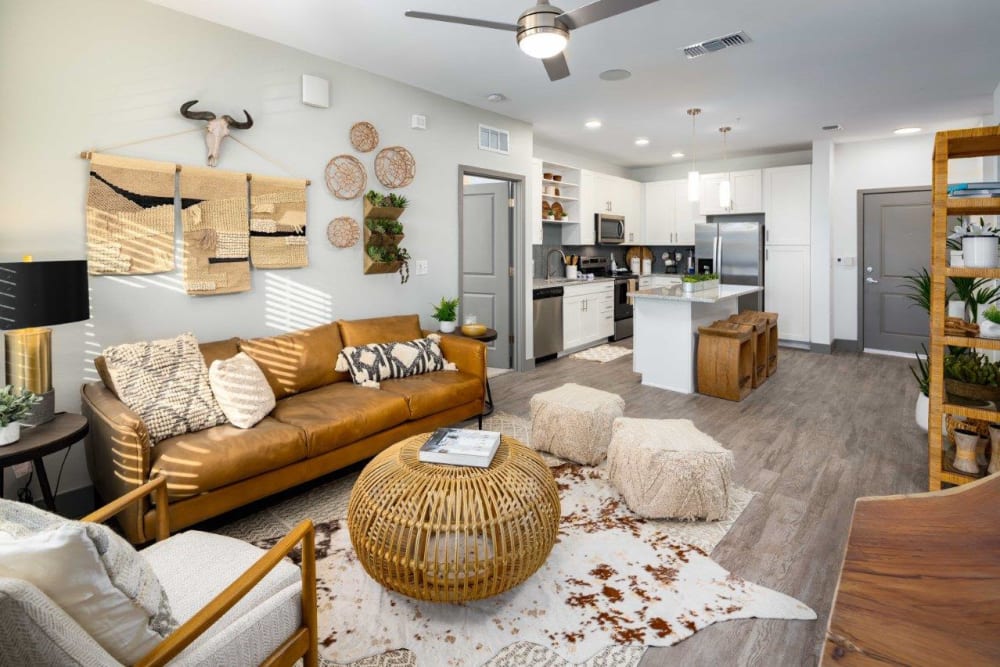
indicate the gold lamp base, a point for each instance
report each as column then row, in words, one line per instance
column 28, row 363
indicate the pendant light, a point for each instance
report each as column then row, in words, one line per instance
column 694, row 178
column 725, row 195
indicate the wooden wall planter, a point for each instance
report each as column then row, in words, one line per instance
column 379, row 240
column 382, row 211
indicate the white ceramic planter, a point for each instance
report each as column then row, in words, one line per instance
column 956, row 258
column 956, row 309
column 447, row 327
column 922, row 411
column 700, row 286
column 980, row 252
column 10, row 433
column 988, row 329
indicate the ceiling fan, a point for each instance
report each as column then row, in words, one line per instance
column 543, row 30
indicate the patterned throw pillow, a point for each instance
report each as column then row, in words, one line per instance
column 93, row 574
column 165, row 382
column 369, row 364
column 241, row 389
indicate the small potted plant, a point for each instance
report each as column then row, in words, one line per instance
column 13, row 406
column 979, row 243
column 446, row 313
column 990, row 326
column 694, row 282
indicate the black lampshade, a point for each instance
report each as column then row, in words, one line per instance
column 41, row 294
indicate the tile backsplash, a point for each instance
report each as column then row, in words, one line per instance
column 539, row 253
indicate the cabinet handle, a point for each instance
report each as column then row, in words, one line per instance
column 767, row 256
column 767, row 235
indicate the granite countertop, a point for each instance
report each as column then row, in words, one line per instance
column 539, row 283
column 677, row 293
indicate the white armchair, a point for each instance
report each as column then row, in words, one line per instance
column 237, row 604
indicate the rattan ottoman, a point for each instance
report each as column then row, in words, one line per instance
column 574, row 422
column 453, row 533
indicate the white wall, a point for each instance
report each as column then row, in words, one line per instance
column 571, row 157
column 896, row 162
column 821, row 238
column 679, row 169
column 84, row 75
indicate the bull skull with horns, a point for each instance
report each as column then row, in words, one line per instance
column 217, row 128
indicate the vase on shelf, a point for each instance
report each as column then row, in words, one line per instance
column 10, row 433
column 980, row 252
column 965, row 451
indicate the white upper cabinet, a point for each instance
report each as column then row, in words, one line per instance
column 744, row 193
column 787, row 204
column 686, row 214
column 669, row 218
column 616, row 196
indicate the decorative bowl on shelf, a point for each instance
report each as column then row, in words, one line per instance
column 547, row 176
column 555, row 177
column 473, row 329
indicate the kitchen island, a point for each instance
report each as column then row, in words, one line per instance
column 666, row 328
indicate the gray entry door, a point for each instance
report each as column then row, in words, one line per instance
column 486, row 282
column 897, row 241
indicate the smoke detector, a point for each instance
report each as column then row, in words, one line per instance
column 712, row 45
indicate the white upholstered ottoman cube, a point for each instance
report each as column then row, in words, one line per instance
column 574, row 422
column 668, row 469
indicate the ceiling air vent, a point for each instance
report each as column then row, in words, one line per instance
column 494, row 139
column 717, row 44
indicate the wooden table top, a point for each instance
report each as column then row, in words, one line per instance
column 487, row 336
column 37, row 441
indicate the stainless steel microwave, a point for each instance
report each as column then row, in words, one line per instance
column 610, row 228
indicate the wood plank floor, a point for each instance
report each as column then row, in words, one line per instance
column 825, row 430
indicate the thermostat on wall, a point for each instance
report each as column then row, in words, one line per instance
column 315, row 91
column 418, row 121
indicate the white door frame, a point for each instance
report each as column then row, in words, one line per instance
column 518, row 254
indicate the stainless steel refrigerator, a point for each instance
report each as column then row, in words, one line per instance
column 734, row 250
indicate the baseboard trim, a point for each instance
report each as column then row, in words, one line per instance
column 845, row 345
column 820, row 348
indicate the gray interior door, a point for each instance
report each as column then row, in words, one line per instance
column 897, row 240
column 486, row 282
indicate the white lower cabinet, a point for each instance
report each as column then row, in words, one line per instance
column 588, row 313
column 786, row 290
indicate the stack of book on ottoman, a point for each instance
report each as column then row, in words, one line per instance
column 460, row 447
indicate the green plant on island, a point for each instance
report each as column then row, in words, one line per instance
column 15, row 404
column 699, row 277
column 446, row 311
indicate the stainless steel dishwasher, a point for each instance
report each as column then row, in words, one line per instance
column 547, row 302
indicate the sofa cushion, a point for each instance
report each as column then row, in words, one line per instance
column 165, row 382
column 370, row 364
column 380, row 330
column 339, row 414
column 241, row 389
column 198, row 462
column 298, row 361
column 212, row 351
column 435, row 392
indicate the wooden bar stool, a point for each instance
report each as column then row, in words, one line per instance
column 772, row 343
column 725, row 360
column 758, row 341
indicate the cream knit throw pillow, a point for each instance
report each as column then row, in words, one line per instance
column 241, row 389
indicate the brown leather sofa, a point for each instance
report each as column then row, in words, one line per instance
column 322, row 422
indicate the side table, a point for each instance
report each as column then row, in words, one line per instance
column 487, row 336
column 66, row 429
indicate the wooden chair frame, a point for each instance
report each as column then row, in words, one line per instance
column 302, row 644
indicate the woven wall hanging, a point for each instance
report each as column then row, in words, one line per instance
column 130, row 216
column 216, row 228
column 395, row 167
column 364, row 137
column 278, row 223
column 346, row 177
column 343, row 232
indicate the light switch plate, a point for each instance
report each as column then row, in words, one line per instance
column 420, row 267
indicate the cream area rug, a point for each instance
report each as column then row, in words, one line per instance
column 613, row 585
column 602, row 353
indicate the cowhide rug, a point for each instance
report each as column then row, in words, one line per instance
column 613, row 585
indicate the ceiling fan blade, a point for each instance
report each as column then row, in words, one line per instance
column 496, row 25
column 598, row 11
column 556, row 67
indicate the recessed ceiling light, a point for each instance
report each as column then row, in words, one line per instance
column 642, row 141
column 907, row 130
column 677, row 154
column 496, row 97
column 614, row 75
column 832, row 128
column 593, row 124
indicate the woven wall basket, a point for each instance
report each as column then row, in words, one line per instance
column 453, row 533
column 364, row 137
column 343, row 232
column 346, row 177
column 395, row 167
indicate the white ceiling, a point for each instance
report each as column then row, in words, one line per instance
column 869, row 65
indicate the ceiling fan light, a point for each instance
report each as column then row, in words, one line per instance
column 543, row 42
column 694, row 185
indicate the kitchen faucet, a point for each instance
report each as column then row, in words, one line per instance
column 548, row 256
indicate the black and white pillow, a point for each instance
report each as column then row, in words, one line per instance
column 370, row 364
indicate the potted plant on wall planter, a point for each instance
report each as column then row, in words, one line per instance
column 446, row 313
column 979, row 244
column 13, row 406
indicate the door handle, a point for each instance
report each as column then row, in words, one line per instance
column 870, row 280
